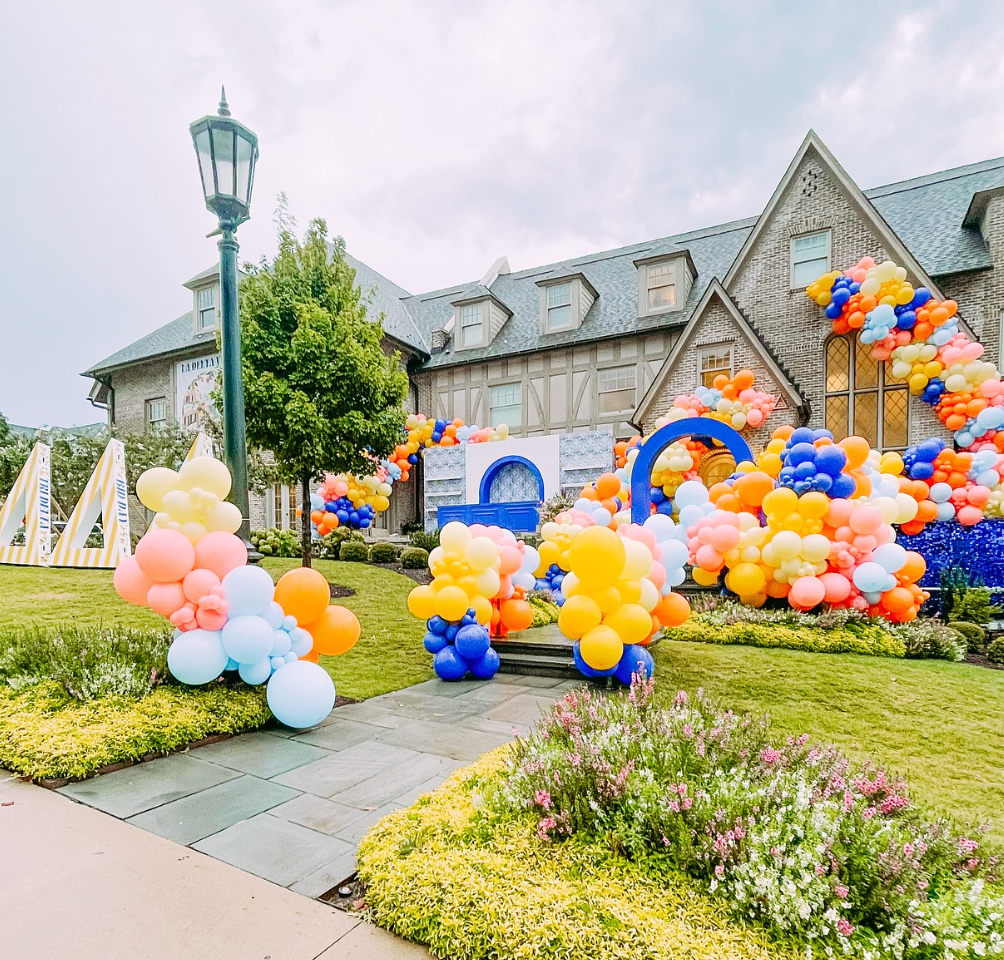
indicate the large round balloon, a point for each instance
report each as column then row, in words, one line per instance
column 449, row 665
column 303, row 593
column 335, row 631
column 131, row 583
column 197, row 657
column 300, row 694
column 249, row 591
column 247, row 639
column 220, row 552
column 153, row 484
column 206, row 473
column 165, row 556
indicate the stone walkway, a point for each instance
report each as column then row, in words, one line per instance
column 291, row 808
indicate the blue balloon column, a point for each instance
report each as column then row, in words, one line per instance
column 635, row 659
column 552, row 580
column 461, row 648
column 810, row 468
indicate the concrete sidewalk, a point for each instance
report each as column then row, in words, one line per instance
column 77, row 884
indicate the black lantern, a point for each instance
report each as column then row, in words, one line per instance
column 227, row 152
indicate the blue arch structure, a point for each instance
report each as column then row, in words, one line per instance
column 697, row 427
column 498, row 466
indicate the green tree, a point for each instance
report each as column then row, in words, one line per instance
column 14, row 450
column 320, row 392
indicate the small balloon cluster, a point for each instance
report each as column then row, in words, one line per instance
column 921, row 337
column 618, row 592
column 733, row 400
column 461, row 648
column 424, row 432
column 349, row 501
column 229, row 616
column 480, row 577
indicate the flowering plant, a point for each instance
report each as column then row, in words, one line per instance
column 792, row 835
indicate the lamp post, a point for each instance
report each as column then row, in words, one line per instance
column 228, row 152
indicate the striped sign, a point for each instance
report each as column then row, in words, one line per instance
column 28, row 505
column 202, row 446
column 104, row 497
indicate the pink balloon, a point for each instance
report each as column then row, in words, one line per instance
column 511, row 559
column 131, row 583
column 220, row 552
column 657, row 574
column 165, row 556
column 806, row 593
column 198, row 583
column 978, row 495
column 708, row 558
column 754, row 418
column 184, row 617
column 970, row 515
column 165, row 598
column 210, row 619
column 865, row 519
column 836, row 588
column 840, row 513
column 725, row 538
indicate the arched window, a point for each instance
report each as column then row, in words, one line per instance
column 862, row 398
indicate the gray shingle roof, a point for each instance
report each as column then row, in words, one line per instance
column 173, row 337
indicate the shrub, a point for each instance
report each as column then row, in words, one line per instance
column 995, row 651
column 973, row 634
column 414, row 558
column 974, row 606
column 544, row 611
column 425, row 541
column 87, row 662
column 929, row 639
column 276, row 543
column 44, row 732
column 556, row 504
column 868, row 639
column 383, row 553
column 329, row 546
column 791, row 835
column 354, row 552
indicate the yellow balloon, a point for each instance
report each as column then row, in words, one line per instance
column 578, row 615
column 637, row 560
column 632, row 622
column 630, row 590
column 225, row 517
column 746, row 579
column 704, row 578
column 482, row 608
column 178, row 504
column 488, row 582
column 454, row 537
column 153, row 484
column 481, row 553
column 549, row 553
column 452, row 603
column 469, row 585
column 206, row 473
column 780, row 502
column 194, row 530
column 597, row 555
column 813, row 505
column 422, row 602
column 608, row 598
column 601, row 647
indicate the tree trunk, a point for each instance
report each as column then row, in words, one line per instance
column 305, row 519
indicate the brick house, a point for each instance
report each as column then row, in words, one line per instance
column 608, row 339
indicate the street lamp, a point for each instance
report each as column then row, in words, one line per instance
column 228, row 152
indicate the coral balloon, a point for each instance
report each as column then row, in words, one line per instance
column 220, row 552
column 165, row 556
column 131, row 583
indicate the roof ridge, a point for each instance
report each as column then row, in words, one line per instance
column 937, row 176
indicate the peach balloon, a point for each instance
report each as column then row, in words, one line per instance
column 131, row 583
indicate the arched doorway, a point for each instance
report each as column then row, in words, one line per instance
column 716, row 467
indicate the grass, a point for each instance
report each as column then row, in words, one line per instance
column 937, row 723
column 389, row 654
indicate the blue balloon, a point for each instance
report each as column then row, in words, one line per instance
column 255, row 673
column 472, row 642
column 822, row 482
column 830, row 460
column 232, row 665
column 805, row 471
column 802, row 452
column 331, row 506
column 281, row 644
column 487, row 666
column 843, row 487
column 801, row 435
column 585, row 669
column 922, row 470
column 247, row 639
column 433, row 642
column 249, row 591
column 300, row 694
column 437, row 625
column 833, row 310
column 412, row 458
column 197, row 656
column 449, row 665
column 635, row 659
column 451, row 632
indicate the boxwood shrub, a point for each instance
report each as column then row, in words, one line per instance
column 383, row 553
column 414, row 558
column 354, row 552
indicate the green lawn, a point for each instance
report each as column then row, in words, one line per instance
column 939, row 724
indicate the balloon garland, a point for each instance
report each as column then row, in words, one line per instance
column 228, row 616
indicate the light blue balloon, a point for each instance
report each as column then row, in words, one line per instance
column 249, row 591
column 946, row 512
column 232, row 665
column 288, row 623
column 197, row 656
column 280, row 644
column 290, row 657
column 274, row 615
column 301, row 642
column 870, row 577
column 691, row 493
column 316, row 501
column 276, row 662
column 247, row 639
column 987, row 477
column 890, row 557
column 300, row 694
column 255, row 673
column 940, row 492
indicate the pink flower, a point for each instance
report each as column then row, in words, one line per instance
column 908, row 848
column 769, row 756
column 687, row 803
column 688, row 730
column 868, row 813
column 545, row 827
column 674, row 806
column 841, row 891
column 719, row 870
column 844, row 927
column 543, row 799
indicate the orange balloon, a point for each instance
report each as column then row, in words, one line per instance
column 752, row 487
column 515, row 614
column 303, row 593
column 898, row 600
column 673, row 610
column 857, row 450
column 608, row 485
column 313, row 656
column 335, row 632
column 744, row 379
column 915, row 566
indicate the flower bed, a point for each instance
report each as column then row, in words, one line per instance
column 815, row 851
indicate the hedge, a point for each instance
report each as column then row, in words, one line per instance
column 867, row 640
column 354, row 552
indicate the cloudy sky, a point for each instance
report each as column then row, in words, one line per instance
column 435, row 137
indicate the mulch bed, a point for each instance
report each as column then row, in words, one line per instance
column 338, row 591
column 978, row 660
column 419, row 576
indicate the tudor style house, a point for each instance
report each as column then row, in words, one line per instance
column 608, row 339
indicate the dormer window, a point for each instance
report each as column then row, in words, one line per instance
column 472, row 325
column 559, row 307
column 661, row 286
column 564, row 302
column 205, row 309
column 664, row 282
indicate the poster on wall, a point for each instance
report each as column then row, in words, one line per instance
column 195, row 380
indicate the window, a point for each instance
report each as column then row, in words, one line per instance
column 472, row 328
column 559, row 307
column 505, row 406
column 156, row 412
column 862, row 399
column 810, row 258
column 661, row 286
column 205, row 305
column 616, row 389
column 284, row 507
column 713, row 361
